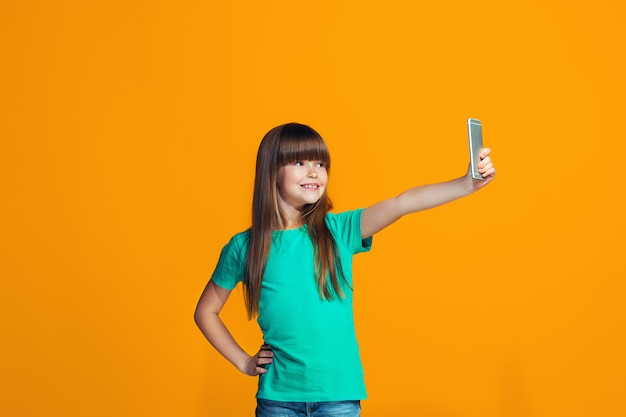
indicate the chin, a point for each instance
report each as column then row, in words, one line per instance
column 312, row 201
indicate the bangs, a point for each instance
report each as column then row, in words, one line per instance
column 301, row 143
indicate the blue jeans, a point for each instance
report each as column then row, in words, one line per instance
column 269, row 408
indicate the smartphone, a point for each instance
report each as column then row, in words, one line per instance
column 475, row 136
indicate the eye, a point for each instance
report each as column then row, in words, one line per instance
column 299, row 163
column 321, row 164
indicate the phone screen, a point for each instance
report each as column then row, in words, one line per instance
column 475, row 133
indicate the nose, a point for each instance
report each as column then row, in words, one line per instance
column 312, row 171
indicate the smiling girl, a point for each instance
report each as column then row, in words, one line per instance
column 295, row 263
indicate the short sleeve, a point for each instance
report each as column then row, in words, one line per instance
column 346, row 228
column 230, row 266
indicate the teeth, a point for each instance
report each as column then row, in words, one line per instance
column 310, row 186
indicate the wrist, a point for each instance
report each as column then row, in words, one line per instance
column 241, row 363
column 245, row 367
column 466, row 185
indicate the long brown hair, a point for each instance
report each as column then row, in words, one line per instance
column 280, row 146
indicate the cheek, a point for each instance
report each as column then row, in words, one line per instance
column 280, row 177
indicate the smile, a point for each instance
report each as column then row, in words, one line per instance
column 310, row 186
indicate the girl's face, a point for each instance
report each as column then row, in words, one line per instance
column 301, row 183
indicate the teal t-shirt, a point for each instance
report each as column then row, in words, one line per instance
column 316, row 355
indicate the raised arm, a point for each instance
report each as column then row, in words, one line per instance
column 207, row 318
column 382, row 214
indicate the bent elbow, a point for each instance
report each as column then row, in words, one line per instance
column 198, row 316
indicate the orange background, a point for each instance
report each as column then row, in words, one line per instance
column 128, row 136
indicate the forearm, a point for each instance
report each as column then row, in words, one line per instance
column 213, row 328
column 428, row 196
column 380, row 215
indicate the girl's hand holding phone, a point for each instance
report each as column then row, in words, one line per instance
column 485, row 168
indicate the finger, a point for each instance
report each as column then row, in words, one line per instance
column 262, row 365
column 484, row 161
column 266, row 354
column 484, row 153
column 264, row 361
column 254, row 368
column 491, row 172
column 485, row 167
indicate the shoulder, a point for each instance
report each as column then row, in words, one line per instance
column 345, row 225
column 238, row 243
column 334, row 220
column 346, row 228
column 241, row 237
column 230, row 266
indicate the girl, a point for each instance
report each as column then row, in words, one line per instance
column 295, row 263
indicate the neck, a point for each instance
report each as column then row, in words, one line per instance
column 292, row 217
column 292, row 222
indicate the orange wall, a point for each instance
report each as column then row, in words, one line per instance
column 128, row 135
